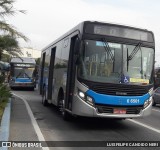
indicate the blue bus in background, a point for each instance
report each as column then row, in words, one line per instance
column 99, row 70
column 22, row 73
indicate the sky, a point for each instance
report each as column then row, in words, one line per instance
column 46, row 20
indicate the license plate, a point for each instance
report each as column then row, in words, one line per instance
column 119, row 111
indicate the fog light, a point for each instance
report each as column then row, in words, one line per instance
column 89, row 100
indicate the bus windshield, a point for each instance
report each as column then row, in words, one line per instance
column 20, row 72
column 107, row 62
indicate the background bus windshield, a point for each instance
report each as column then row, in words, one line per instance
column 20, row 72
column 101, row 61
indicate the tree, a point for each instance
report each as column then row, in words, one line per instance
column 9, row 34
column 6, row 57
column 10, row 45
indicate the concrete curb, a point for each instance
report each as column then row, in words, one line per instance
column 5, row 124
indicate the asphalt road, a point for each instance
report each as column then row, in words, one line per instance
column 54, row 128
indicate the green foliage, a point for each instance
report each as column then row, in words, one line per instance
column 6, row 58
column 7, row 9
column 9, row 44
column 8, row 33
column 7, row 41
column 2, row 79
column 2, row 107
column 5, row 93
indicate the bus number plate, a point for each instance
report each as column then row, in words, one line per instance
column 119, row 111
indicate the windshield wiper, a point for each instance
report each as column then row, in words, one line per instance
column 28, row 75
column 107, row 48
column 18, row 74
column 134, row 52
column 22, row 73
column 131, row 56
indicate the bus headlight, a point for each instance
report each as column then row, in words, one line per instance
column 12, row 79
column 147, row 102
column 81, row 94
column 85, row 97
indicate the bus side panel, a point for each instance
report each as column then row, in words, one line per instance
column 57, row 73
column 61, row 70
column 70, row 84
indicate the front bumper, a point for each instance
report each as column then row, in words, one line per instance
column 82, row 108
column 28, row 85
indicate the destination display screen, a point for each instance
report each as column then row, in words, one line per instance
column 119, row 31
column 24, row 65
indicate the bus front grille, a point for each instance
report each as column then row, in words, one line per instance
column 122, row 90
column 117, row 89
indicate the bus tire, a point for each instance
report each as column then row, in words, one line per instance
column 44, row 97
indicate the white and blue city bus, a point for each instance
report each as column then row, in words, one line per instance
column 22, row 73
column 99, row 70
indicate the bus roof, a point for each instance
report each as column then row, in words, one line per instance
column 23, row 60
column 79, row 28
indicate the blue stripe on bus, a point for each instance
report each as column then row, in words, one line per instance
column 23, row 80
column 117, row 100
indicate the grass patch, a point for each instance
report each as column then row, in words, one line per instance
column 2, row 107
column 5, row 94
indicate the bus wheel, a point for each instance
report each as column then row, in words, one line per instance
column 44, row 97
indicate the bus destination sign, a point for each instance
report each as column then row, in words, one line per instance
column 23, row 65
